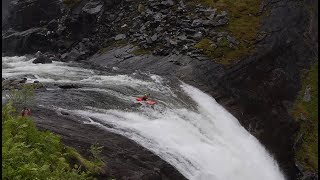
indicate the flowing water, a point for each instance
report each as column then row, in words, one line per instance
column 187, row 128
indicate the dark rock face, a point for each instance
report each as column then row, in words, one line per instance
column 5, row 11
column 25, row 14
column 52, row 25
column 126, row 159
column 263, row 87
column 29, row 41
column 258, row 90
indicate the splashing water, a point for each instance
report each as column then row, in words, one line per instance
column 188, row 128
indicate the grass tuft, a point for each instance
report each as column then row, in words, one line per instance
column 113, row 45
column 243, row 24
column 71, row 3
column 140, row 51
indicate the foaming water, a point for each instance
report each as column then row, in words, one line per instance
column 187, row 128
column 206, row 144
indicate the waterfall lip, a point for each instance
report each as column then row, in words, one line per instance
column 187, row 128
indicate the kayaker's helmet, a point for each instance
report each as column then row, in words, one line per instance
column 147, row 94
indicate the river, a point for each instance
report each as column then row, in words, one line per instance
column 187, row 127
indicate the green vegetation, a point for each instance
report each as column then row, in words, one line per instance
column 31, row 154
column 307, row 115
column 28, row 153
column 71, row 3
column 22, row 97
column 212, row 50
column 111, row 45
column 140, row 51
column 243, row 24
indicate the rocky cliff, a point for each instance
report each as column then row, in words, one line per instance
column 187, row 40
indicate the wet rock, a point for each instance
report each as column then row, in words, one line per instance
column 93, row 7
column 182, row 37
column 73, row 55
column 173, row 41
column 23, row 80
column 189, row 31
column 120, row 37
column 29, row 13
column 197, row 23
column 39, row 86
column 154, row 37
column 52, row 25
column 42, row 60
column 198, row 35
column 167, row 3
column 64, row 113
column 128, row 56
column 29, row 41
column 159, row 29
column 68, row 86
column 307, row 96
column 176, row 62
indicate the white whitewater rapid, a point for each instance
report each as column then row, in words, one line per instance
column 188, row 128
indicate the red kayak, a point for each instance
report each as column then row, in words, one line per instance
column 148, row 101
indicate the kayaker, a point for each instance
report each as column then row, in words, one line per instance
column 145, row 96
column 25, row 112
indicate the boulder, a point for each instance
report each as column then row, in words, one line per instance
column 154, row 37
column 42, row 59
column 120, row 37
column 73, row 55
column 167, row 3
column 93, row 7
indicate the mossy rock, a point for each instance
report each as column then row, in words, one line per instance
column 244, row 24
column 141, row 51
column 113, row 44
column 71, row 3
column 306, row 113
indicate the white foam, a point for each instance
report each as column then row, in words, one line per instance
column 206, row 143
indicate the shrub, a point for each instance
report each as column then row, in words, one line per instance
column 31, row 154
column 21, row 97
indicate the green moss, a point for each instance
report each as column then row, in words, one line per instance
column 71, row 3
column 114, row 44
column 215, row 52
column 93, row 167
column 243, row 24
column 140, row 51
column 307, row 152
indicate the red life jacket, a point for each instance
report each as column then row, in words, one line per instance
column 25, row 112
column 144, row 98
